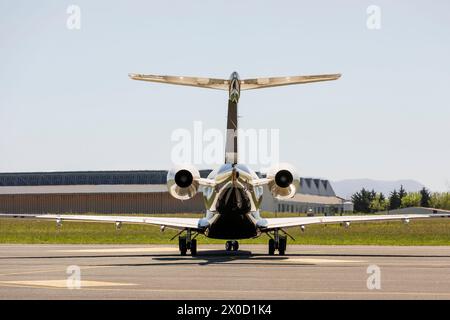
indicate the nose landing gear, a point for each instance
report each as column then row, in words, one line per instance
column 231, row 245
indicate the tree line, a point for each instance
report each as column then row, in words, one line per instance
column 366, row 201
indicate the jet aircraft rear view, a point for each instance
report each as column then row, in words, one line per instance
column 233, row 192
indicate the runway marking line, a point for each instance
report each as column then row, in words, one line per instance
column 321, row 261
column 59, row 284
column 48, row 270
column 119, row 250
column 280, row 293
column 335, row 293
column 124, row 250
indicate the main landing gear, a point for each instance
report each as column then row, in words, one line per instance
column 278, row 242
column 231, row 245
column 185, row 243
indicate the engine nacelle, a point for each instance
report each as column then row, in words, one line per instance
column 182, row 182
column 285, row 181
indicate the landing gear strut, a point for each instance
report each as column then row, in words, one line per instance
column 231, row 245
column 278, row 242
column 186, row 243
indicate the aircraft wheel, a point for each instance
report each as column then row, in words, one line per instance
column 282, row 246
column 182, row 245
column 194, row 247
column 228, row 245
column 271, row 247
column 235, row 245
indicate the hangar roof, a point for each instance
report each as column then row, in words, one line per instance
column 115, row 182
column 87, row 178
column 79, row 189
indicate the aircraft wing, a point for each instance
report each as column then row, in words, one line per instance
column 277, row 223
column 173, row 223
column 220, row 84
column 259, row 83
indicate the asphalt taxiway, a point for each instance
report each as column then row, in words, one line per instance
column 158, row 272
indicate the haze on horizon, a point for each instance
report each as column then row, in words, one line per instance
column 66, row 102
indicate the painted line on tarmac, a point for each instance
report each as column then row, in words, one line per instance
column 280, row 292
column 48, row 270
column 321, row 261
column 60, row 284
column 125, row 250
column 337, row 294
column 119, row 250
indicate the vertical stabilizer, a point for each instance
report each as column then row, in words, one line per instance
column 231, row 153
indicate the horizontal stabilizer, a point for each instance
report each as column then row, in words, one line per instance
column 259, row 83
column 223, row 84
column 220, row 84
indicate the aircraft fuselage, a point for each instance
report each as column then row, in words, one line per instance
column 233, row 204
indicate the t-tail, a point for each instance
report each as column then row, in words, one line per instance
column 234, row 86
column 231, row 146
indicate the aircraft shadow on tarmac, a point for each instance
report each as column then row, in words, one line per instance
column 247, row 257
column 202, row 258
column 221, row 256
column 214, row 257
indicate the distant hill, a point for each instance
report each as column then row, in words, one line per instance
column 345, row 188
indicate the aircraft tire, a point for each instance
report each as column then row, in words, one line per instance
column 194, row 247
column 271, row 247
column 282, row 246
column 182, row 245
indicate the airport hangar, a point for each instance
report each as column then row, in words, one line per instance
column 136, row 192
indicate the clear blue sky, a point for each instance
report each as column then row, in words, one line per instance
column 66, row 102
